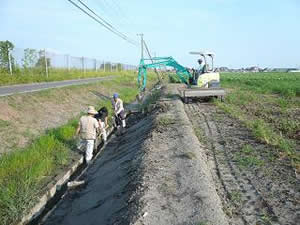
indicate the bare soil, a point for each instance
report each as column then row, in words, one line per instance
column 265, row 191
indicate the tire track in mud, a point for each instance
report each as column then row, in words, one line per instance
column 249, row 206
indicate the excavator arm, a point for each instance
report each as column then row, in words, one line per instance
column 156, row 62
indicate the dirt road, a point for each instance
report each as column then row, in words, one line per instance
column 255, row 187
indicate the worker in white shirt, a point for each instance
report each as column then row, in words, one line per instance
column 119, row 111
column 87, row 129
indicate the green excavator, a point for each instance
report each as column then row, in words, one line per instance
column 204, row 83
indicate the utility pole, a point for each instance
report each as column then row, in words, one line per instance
column 68, row 62
column 142, row 45
column 46, row 63
column 9, row 61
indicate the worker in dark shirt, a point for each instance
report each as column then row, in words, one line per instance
column 102, row 118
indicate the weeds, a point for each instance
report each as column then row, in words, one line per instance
column 4, row 123
column 266, row 219
column 154, row 96
column 203, row 223
column 200, row 135
column 236, row 197
column 247, row 157
column 22, row 172
column 271, row 118
column 165, row 121
column 249, row 161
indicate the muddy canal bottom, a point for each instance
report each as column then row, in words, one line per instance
column 104, row 198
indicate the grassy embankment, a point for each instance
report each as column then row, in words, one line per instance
column 37, row 75
column 269, row 105
column 24, row 172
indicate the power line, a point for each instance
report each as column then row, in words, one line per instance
column 159, row 76
column 103, row 22
column 114, row 8
column 121, row 12
column 108, row 24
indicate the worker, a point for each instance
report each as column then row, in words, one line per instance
column 201, row 68
column 119, row 111
column 102, row 118
column 87, row 128
column 199, row 71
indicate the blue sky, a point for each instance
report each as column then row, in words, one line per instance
column 241, row 32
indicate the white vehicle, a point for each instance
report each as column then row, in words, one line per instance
column 208, row 81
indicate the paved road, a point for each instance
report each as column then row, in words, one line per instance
column 24, row 88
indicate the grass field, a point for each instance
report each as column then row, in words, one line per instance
column 269, row 105
column 284, row 84
column 36, row 75
column 24, row 172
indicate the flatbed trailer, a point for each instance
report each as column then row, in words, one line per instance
column 198, row 92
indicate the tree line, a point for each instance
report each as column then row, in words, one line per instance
column 32, row 58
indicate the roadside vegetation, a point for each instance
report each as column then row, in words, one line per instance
column 25, row 172
column 269, row 105
column 37, row 66
column 33, row 76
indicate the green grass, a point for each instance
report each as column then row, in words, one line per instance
column 286, row 84
column 4, row 123
column 248, row 158
column 24, row 172
column 37, row 75
column 154, row 96
column 203, row 223
column 267, row 103
column 236, row 197
column 165, row 121
column 200, row 135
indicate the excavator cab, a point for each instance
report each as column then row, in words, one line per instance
column 207, row 77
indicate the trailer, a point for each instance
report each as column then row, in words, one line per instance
column 198, row 92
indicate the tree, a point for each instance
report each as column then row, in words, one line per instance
column 119, row 67
column 41, row 60
column 30, row 58
column 108, row 66
column 5, row 48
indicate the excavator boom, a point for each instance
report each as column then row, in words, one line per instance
column 156, row 62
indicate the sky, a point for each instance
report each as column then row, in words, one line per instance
column 241, row 33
